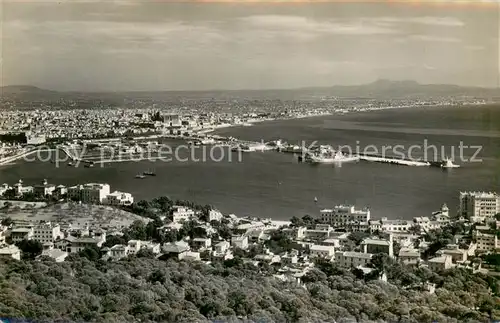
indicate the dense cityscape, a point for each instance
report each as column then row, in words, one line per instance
column 193, row 161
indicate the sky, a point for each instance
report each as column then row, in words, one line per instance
column 149, row 45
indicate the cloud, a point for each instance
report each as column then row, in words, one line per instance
column 303, row 24
column 426, row 20
column 439, row 39
column 108, row 30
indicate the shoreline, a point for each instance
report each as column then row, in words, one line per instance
column 341, row 112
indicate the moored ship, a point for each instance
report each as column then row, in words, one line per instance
column 329, row 158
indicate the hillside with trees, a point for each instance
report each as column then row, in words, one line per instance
column 145, row 289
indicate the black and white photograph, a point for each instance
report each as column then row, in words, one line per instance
column 252, row 161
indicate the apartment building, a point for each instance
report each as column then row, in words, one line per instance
column 479, row 206
column 20, row 234
column 182, row 214
column 47, row 232
column 344, row 215
column 486, row 242
column 93, row 193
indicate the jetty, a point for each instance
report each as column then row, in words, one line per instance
column 393, row 160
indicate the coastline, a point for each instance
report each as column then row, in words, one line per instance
column 212, row 132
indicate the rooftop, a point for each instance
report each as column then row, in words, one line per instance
column 352, row 254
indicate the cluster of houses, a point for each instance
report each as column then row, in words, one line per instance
column 328, row 239
column 90, row 193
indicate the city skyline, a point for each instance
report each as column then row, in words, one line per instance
column 132, row 46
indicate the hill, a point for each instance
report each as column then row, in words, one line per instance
column 380, row 89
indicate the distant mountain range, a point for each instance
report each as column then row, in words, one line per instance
column 381, row 89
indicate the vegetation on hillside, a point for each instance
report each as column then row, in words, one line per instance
column 146, row 289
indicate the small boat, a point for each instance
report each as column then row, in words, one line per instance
column 315, row 199
column 448, row 163
column 140, row 176
column 70, row 164
column 149, row 173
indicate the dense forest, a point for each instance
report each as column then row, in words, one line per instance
column 142, row 288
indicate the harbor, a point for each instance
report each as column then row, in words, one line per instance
column 88, row 153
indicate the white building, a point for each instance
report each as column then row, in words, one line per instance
column 93, row 193
column 4, row 232
column 118, row 251
column 151, row 246
column 425, row 224
column 289, row 258
column 214, row 215
column 32, row 139
column 47, row 232
column 44, row 189
column 344, row 215
column 409, row 256
column 182, row 214
column 486, row 241
column 221, row 248
column 350, row 259
column 20, row 234
column 239, row 242
column 479, row 206
column 119, row 198
column 56, row 254
column 79, row 244
column 327, row 252
column 297, row 233
column 443, row 215
column 440, row 263
column 394, row 226
column 202, row 243
column 4, row 188
column 374, row 246
column 20, row 189
column 10, row 251
column 134, row 246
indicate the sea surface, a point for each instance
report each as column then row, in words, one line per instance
column 271, row 184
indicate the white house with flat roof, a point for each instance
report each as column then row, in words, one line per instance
column 119, row 198
column 10, row 251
